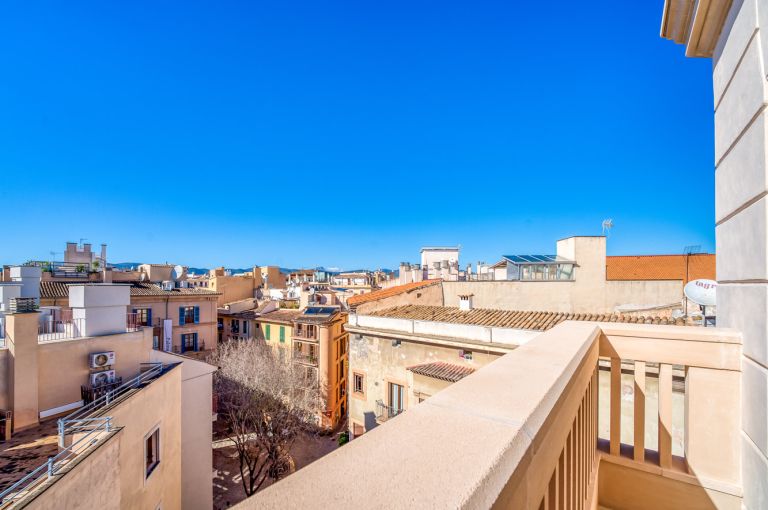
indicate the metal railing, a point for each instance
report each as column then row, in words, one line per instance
column 92, row 428
column 60, row 329
column 147, row 372
column 385, row 412
column 69, row 329
column 302, row 357
column 305, row 333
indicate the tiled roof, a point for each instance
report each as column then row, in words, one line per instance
column 279, row 316
column 660, row 267
column 391, row 291
column 442, row 370
column 536, row 321
column 57, row 290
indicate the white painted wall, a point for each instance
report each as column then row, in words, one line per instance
column 741, row 211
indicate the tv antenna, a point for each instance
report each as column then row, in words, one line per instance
column 607, row 226
column 691, row 249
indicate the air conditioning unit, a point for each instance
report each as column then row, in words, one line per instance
column 102, row 378
column 102, row 359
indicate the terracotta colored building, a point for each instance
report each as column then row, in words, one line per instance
column 661, row 267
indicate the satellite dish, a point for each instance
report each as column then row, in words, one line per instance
column 177, row 273
column 701, row 292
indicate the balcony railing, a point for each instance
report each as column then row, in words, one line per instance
column 539, row 426
column 304, row 334
column 302, row 357
column 385, row 412
column 69, row 329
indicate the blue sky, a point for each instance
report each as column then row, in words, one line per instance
column 348, row 134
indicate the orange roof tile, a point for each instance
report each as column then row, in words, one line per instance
column 442, row 370
column 391, row 291
column 514, row 319
column 661, row 267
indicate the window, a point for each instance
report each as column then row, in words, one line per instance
column 396, row 395
column 189, row 315
column 267, row 331
column 467, row 355
column 245, row 326
column 282, row 334
column 341, row 370
column 235, row 326
column 358, row 382
column 312, row 352
column 151, row 452
column 143, row 316
column 189, row 342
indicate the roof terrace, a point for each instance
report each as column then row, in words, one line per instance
column 528, row 431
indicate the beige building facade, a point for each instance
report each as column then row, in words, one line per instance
column 586, row 290
column 135, row 423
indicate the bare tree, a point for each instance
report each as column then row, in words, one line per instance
column 266, row 404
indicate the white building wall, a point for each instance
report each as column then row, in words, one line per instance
column 741, row 208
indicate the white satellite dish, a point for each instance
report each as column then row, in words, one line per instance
column 701, row 292
column 177, row 273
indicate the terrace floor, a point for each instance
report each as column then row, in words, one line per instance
column 27, row 450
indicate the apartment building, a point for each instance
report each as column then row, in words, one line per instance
column 183, row 318
column 94, row 416
column 528, row 430
column 402, row 355
column 236, row 287
column 320, row 344
column 437, row 262
column 580, row 278
column 275, row 328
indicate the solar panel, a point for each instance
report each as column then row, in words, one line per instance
column 534, row 259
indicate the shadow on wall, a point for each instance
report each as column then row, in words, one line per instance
column 370, row 420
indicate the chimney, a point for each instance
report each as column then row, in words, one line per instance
column 99, row 309
column 104, row 254
column 21, row 340
column 29, row 277
column 465, row 302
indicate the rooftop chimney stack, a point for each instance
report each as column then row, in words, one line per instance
column 29, row 277
column 465, row 302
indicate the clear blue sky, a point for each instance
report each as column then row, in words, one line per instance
column 348, row 133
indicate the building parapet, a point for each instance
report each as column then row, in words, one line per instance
column 523, row 431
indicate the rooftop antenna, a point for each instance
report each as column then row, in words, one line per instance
column 607, row 226
column 687, row 251
column 691, row 249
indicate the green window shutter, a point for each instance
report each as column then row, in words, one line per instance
column 282, row 334
column 267, row 331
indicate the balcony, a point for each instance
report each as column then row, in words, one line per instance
column 545, row 427
column 305, row 358
column 305, row 333
column 385, row 412
column 70, row 329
